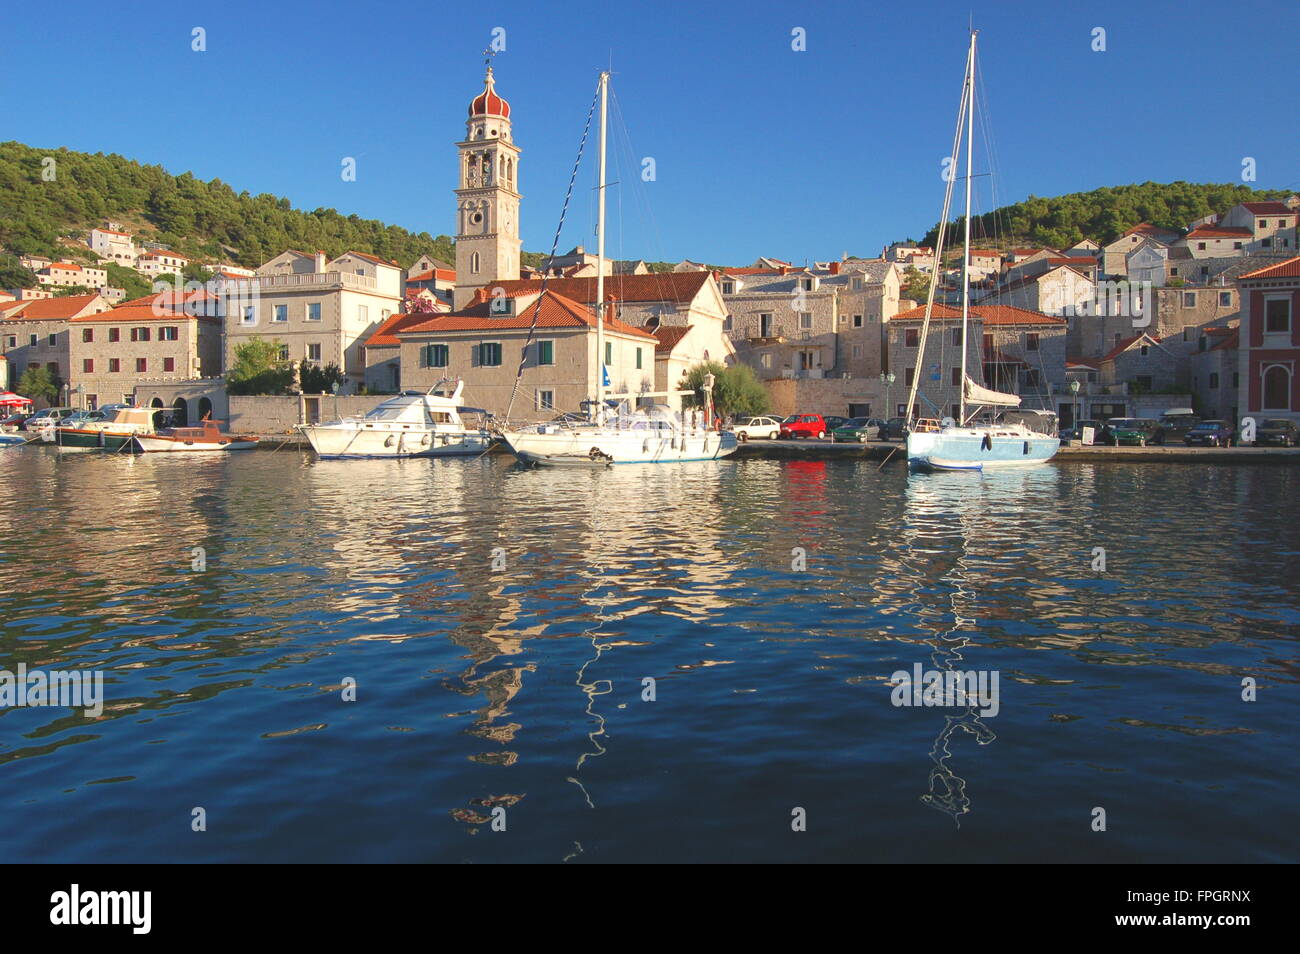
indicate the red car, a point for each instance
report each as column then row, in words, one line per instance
column 803, row 425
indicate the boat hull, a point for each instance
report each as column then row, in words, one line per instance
column 969, row 449
column 331, row 442
column 172, row 445
column 103, row 440
column 595, row 447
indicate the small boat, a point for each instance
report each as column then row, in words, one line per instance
column 648, row 435
column 12, row 440
column 206, row 437
column 413, row 424
column 106, row 431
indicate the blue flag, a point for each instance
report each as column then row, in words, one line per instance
column 604, row 375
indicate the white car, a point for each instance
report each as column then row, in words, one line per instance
column 50, row 417
column 757, row 427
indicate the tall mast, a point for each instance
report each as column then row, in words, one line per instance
column 939, row 247
column 965, row 262
column 600, row 257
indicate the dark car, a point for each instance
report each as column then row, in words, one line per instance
column 1210, row 434
column 857, row 429
column 1130, row 430
column 1075, row 433
column 1175, row 426
column 895, row 429
column 833, row 422
column 17, row 421
column 1277, row 430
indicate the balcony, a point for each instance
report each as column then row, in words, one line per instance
column 309, row 280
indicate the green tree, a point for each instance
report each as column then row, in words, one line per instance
column 38, row 383
column 317, row 380
column 915, row 285
column 67, row 291
column 258, row 368
column 132, row 282
column 15, row 275
column 736, row 390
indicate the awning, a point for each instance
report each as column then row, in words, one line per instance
column 9, row 399
column 976, row 394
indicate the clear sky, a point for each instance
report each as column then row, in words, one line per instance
column 759, row 149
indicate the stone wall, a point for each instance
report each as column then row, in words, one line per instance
column 277, row 414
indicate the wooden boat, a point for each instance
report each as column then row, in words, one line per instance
column 206, row 437
column 107, row 433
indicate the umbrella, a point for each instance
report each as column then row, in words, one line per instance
column 9, row 399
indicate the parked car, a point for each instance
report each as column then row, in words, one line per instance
column 1210, row 434
column 1075, row 433
column 16, row 421
column 895, row 429
column 1277, row 430
column 1130, row 430
column 803, row 425
column 1175, row 424
column 49, row 417
column 757, row 427
column 859, row 429
column 833, row 422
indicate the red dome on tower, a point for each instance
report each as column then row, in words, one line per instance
column 488, row 103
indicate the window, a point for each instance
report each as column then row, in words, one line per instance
column 911, row 338
column 765, row 325
column 1263, row 223
column 1277, row 388
column 1200, row 246
column 1189, row 299
column 1031, row 341
column 169, row 333
column 281, row 313
column 284, row 352
column 53, row 368
column 249, row 317
column 1234, row 379
column 1277, row 315
column 313, row 351
column 766, row 360
column 489, row 354
column 87, row 334
column 141, row 365
column 88, row 366
column 1202, row 344
column 546, row 352
column 638, row 359
column 907, row 377
column 805, row 320
column 545, row 400
column 313, row 311
column 956, row 337
column 857, row 351
column 1236, row 246
column 857, row 321
column 363, row 314
column 609, row 352
column 31, row 341
column 728, row 288
column 169, row 364
column 13, row 341
column 434, row 356
column 726, row 323
column 1185, row 333
column 139, row 334
column 53, row 339
column 474, row 263
column 1266, row 243
column 1144, row 350
column 806, row 284
column 1225, row 299
column 1173, row 272
column 114, row 365
column 956, row 377
column 1214, row 380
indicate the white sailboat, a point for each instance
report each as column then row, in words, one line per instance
column 413, row 424
column 615, row 432
column 1019, row 438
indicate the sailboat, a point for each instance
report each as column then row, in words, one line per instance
column 1018, row 438
column 614, row 431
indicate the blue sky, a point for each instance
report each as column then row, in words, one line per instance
column 758, row 149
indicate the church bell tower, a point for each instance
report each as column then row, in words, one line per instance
column 487, row 200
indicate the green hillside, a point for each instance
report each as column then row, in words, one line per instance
column 194, row 217
column 1104, row 214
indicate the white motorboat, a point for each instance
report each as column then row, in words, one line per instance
column 647, row 435
column 413, row 424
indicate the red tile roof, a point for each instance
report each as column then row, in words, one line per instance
column 668, row 336
column 1214, row 231
column 989, row 314
column 1288, row 269
column 433, row 274
column 70, row 266
column 553, row 311
column 1146, row 228
column 749, row 270
column 372, row 258
column 49, row 309
column 1268, row 208
column 128, row 313
column 385, row 336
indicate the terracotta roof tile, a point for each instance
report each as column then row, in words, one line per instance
column 1288, row 269
column 989, row 314
column 553, row 311
column 1214, row 231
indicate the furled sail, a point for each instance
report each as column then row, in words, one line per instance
column 977, row 394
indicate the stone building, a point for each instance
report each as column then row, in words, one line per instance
column 115, row 352
column 1269, row 343
column 1215, row 376
column 34, row 332
column 1114, row 255
column 938, row 371
column 1142, row 363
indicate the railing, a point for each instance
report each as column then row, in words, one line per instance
column 300, row 279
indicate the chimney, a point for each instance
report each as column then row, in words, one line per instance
column 782, row 270
column 320, row 262
column 835, row 268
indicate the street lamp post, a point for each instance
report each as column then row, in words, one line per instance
column 1074, row 407
column 709, row 379
column 887, row 378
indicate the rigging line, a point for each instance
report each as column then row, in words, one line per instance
column 555, row 243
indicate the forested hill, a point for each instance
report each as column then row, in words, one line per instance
column 1104, row 214
column 194, row 217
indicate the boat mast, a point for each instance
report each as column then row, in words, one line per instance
column 965, row 262
column 600, row 258
column 939, row 246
